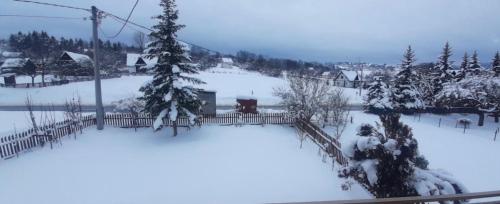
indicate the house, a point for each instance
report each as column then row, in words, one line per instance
column 8, row 54
column 351, row 79
column 16, row 66
column 75, row 64
column 131, row 61
column 227, row 62
column 145, row 64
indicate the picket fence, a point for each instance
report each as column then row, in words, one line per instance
column 13, row 145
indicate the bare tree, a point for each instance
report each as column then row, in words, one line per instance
column 132, row 106
column 140, row 40
column 303, row 97
column 29, row 106
column 335, row 111
column 74, row 114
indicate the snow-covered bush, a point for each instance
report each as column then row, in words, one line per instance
column 130, row 105
column 389, row 164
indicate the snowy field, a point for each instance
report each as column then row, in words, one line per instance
column 473, row 157
column 229, row 84
column 12, row 121
column 213, row 164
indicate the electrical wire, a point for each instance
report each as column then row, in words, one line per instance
column 48, row 17
column 126, row 21
column 56, row 5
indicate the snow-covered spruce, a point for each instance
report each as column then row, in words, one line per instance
column 389, row 163
column 378, row 99
column 495, row 66
column 406, row 97
column 167, row 94
column 441, row 70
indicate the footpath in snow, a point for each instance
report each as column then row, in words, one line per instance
column 213, row 164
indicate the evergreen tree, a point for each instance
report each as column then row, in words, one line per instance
column 167, row 94
column 475, row 66
column 378, row 98
column 496, row 64
column 443, row 65
column 464, row 67
column 389, row 164
column 405, row 96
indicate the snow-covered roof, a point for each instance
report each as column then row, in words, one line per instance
column 150, row 62
column 326, row 74
column 79, row 58
column 227, row 60
column 350, row 75
column 246, row 98
column 7, row 74
column 14, row 62
column 132, row 59
column 11, row 54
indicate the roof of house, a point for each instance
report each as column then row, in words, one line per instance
column 227, row 60
column 79, row 58
column 14, row 62
column 350, row 75
column 150, row 62
column 132, row 59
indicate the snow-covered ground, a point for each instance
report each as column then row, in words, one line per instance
column 229, row 84
column 213, row 164
column 472, row 157
column 18, row 121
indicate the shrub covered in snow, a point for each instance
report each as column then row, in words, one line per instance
column 389, row 164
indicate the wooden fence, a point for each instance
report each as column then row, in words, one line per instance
column 327, row 143
column 14, row 144
column 125, row 120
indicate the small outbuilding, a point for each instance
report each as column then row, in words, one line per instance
column 145, row 64
column 16, row 66
column 246, row 104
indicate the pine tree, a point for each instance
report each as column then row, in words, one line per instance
column 496, row 64
column 475, row 66
column 464, row 68
column 405, row 96
column 167, row 94
column 442, row 67
column 378, row 98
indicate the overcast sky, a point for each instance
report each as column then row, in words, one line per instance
column 324, row 30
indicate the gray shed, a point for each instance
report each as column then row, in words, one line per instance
column 209, row 99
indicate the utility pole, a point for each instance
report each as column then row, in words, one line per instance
column 97, row 73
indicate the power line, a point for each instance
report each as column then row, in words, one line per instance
column 126, row 22
column 51, row 4
column 48, row 17
column 119, row 19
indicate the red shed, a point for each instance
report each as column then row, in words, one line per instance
column 246, row 104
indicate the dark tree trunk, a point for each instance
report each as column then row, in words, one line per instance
column 174, row 127
column 481, row 119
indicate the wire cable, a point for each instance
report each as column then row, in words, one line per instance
column 56, row 5
column 126, row 21
column 48, row 17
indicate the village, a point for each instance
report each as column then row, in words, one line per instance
column 157, row 119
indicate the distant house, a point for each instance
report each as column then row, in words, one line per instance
column 75, row 64
column 131, row 61
column 145, row 64
column 350, row 79
column 16, row 66
column 227, row 62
